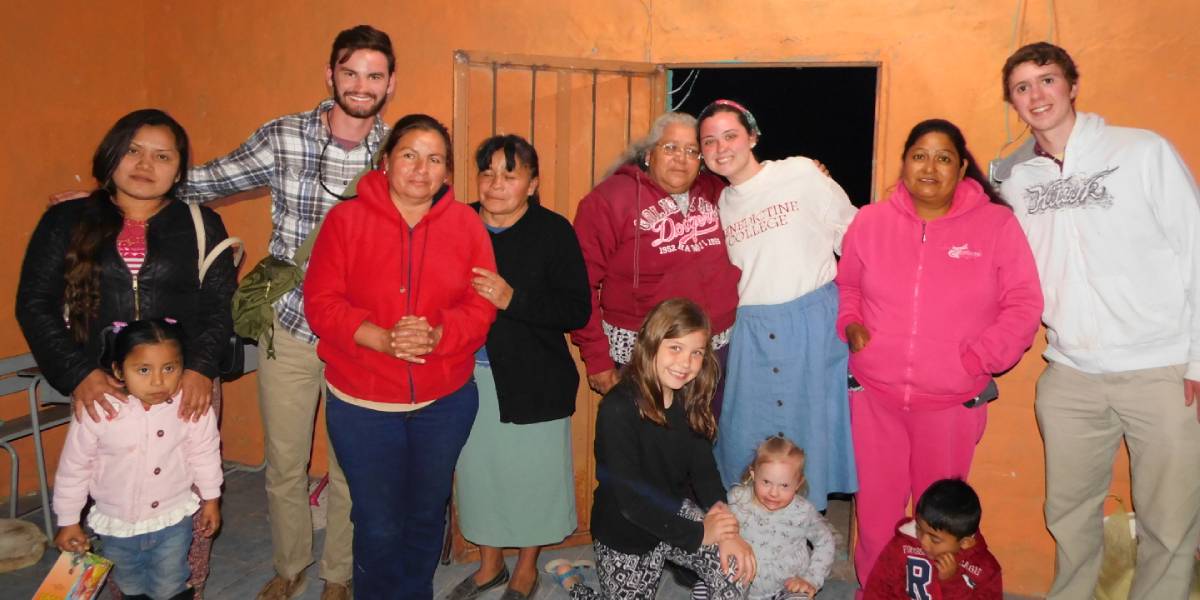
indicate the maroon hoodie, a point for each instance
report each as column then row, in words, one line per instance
column 904, row 571
column 640, row 250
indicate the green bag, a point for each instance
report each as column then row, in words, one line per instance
column 271, row 278
column 257, row 292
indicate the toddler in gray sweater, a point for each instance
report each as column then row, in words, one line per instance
column 780, row 524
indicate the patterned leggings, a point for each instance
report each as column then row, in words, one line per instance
column 635, row 576
column 700, row 592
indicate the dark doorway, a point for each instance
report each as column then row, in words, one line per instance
column 825, row 113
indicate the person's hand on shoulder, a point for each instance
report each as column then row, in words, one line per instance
column 196, row 396
column 90, row 394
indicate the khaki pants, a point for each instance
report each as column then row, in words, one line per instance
column 290, row 387
column 1082, row 418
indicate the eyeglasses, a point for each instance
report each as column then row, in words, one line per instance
column 321, row 171
column 673, row 149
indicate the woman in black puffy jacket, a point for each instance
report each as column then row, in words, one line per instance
column 127, row 252
column 84, row 255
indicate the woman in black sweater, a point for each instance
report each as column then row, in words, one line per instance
column 126, row 252
column 656, row 471
column 515, row 482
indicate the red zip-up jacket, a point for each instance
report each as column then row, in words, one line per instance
column 905, row 572
column 947, row 303
column 367, row 264
column 640, row 250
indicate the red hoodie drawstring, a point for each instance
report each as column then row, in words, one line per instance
column 637, row 228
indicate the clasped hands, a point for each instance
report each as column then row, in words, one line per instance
column 411, row 338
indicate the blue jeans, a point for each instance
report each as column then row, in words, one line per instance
column 154, row 564
column 399, row 466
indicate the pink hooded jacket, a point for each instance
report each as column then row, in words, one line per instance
column 948, row 303
column 139, row 465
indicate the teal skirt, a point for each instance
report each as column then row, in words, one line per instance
column 515, row 485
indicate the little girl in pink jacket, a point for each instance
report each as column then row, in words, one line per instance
column 139, row 467
column 938, row 291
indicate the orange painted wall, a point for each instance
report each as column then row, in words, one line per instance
column 223, row 68
column 72, row 69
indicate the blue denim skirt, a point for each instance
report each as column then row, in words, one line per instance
column 787, row 376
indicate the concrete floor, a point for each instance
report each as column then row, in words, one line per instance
column 241, row 561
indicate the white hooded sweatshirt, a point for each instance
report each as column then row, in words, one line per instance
column 1116, row 237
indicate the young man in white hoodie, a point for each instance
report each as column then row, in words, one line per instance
column 1113, row 217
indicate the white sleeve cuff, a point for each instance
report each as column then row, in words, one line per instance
column 1193, row 371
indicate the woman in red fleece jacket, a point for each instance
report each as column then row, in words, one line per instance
column 938, row 291
column 649, row 232
column 388, row 290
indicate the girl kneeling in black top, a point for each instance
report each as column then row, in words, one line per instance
column 655, row 467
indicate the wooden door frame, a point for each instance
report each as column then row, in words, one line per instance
column 564, row 70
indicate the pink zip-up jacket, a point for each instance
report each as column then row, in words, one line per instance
column 947, row 303
column 138, row 465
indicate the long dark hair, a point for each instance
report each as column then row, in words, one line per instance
column 952, row 131
column 101, row 219
column 674, row 318
column 517, row 151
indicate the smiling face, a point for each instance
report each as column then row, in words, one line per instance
column 932, row 169
column 151, row 372
column 674, row 161
column 678, row 361
column 503, row 194
column 361, row 84
column 726, row 146
column 1043, row 97
column 776, row 483
column 150, row 165
column 416, row 167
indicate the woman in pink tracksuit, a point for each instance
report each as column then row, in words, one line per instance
column 938, row 291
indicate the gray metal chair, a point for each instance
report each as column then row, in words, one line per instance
column 47, row 409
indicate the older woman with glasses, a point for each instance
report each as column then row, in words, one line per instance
column 650, row 232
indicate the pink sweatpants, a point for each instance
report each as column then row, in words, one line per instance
column 900, row 453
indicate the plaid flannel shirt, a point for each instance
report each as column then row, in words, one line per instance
column 294, row 156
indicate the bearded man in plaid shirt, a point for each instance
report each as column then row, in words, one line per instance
column 307, row 160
